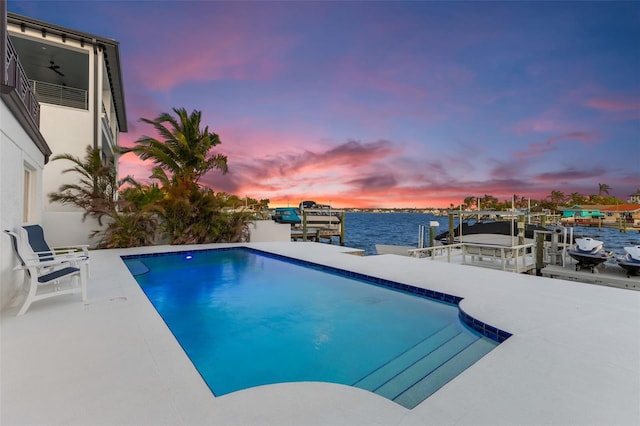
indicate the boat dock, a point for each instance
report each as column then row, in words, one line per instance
column 499, row 252
column 319, row 233
column 608, row 275
column 622, row 226
column 496, row 255
column 322, row 234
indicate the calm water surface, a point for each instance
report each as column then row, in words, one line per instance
column 365, row 230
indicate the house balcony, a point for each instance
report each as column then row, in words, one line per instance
column 16, row 92
column 15, row 82
column 56, row 94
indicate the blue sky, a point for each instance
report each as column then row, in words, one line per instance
column 386, row 104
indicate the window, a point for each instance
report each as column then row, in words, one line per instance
column 28, row 194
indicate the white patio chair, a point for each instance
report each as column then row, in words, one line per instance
column 47, row 278
column 34, row 236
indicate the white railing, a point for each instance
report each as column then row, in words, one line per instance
column 14, row 78
column 518, row 259
column 107, row 130
column 60, row 95
column 448, row 252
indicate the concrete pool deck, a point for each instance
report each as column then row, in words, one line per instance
column 574, row 357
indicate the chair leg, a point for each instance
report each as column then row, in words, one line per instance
column 33, row 285
column 84, row 271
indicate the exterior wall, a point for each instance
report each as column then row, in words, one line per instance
column 69, row 131
column 269, row 231
column 59, row 233
column 63, row 223
column 16, row 151
column 63, row 140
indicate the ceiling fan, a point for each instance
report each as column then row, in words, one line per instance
column 55, row 68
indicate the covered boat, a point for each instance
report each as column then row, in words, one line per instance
column 287, row 215
column 589, row 253
column 499, row 227
column 318, row 215
column 630, row 261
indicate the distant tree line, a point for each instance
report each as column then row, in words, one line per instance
column 551, row 203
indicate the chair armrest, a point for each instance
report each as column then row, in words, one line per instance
column 84, row 248
column 74, row 247
column 63, row 255
column 31, row 263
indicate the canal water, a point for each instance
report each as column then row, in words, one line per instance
column 365, row 230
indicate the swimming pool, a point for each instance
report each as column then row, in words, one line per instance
column 247, row 318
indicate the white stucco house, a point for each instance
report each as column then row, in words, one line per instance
column 23, row 155
column 60, row 90
column 77, row 79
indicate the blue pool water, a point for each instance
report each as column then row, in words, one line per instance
column 245, row 319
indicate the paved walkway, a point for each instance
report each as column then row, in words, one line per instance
column 574, row 357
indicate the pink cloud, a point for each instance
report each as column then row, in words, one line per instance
column 614, row 105
column 537, row 149
column 229, row 47
column 538, row 125
column 342, row 170
column 132, row 165
column 307, row 167
column 570, row 174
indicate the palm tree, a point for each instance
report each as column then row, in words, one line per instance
column 183, row 157
column 603, row 188
column 191, row 213
column 489, row 202
column 96, row 190
column 130, row 223
column 469, row 202
column 576, row 198
column 556, row 197
column 179, row 206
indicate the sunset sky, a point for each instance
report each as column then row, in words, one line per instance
column 385, row 104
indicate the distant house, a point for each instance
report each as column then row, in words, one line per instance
column 629, row 213
column 634, row 199
column 605, row 214
column 581, row 212
column 77, row 79
column 23, row 155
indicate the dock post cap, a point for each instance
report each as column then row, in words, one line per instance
column 434, row 223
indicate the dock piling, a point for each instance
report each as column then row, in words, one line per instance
column 539, row 253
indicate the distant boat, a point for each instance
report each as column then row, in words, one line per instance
column 318, row 215
column 589, row 253
column 630, row 261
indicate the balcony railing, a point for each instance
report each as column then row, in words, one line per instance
column 107, row 132
column 16, row 79
column 60, row 95
column 106, row 123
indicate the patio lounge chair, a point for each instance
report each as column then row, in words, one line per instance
column 45, row 276
column 34, row 235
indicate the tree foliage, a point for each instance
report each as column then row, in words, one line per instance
column 183, row 155
column 96, row 188
column 174, row 208
column 552, row 202
column 603, row 188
